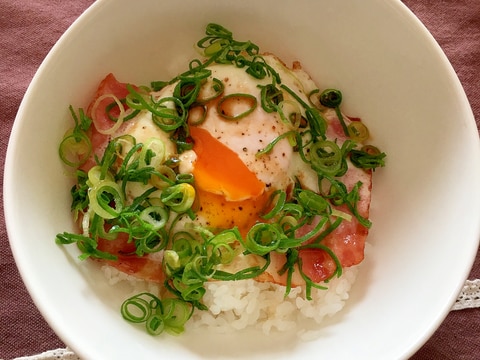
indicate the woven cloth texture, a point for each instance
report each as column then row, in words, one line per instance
column 28, row 30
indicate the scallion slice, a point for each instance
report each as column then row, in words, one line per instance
column 358, row 131
column 75, row 149
column 326, row 157
column 262, row 238
column 106, row 199
column 179, row 197
column 236, row 106
column 168, row 315
column 116, row 124
column 155, row 216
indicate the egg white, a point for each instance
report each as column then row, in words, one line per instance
column 279, row 168
column 254, row 132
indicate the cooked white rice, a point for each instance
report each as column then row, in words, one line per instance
column 235, row 305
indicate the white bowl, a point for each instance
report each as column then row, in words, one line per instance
column 426, row 200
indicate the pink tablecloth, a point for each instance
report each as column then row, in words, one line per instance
column 29, row 28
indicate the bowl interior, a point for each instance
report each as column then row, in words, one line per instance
column 392, row 74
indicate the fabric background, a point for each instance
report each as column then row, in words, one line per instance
column 29, row 28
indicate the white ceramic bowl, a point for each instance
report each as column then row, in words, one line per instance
column 392, row 73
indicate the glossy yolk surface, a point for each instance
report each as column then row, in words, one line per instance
column 219, row 170
column 222, row 214
column 229, row 193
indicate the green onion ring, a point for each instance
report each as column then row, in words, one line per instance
column 290, row 113
column 123, row 144
column 179, row 197
column 262, row 238
column 358, row 131
column 326, row 157
column 163, row 177
column 197, row 114
column 312, row 201
column 214, row 90
column 184, row 247
column 169, row 119
column 130, row 116
column 187, row 91
column 75, row 149
column 101, row 196
column 155, row 324
column 117, row 124
column 143, row 303
column 131, row 307
column 176, row 312
column 156, row 216
column 270, row 97
column 152, row 153
column 228, row 99
column 331, row 98
column 280, row 196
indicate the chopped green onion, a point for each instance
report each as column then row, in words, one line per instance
column 262, row 238
column 185, row 178
column 168, row 315
column 270, row 146
column 187, row 91
column 116, row 124
column 124, row 144
column 152, row 153
column 280, row 197
column 176, row 314
column 358, row 131
column 236, row 106
column 247, row 273
column 312, row 202
column 112, row 105
column 106, row 199
column 86, row 245
column 79, row 193
column 367, row 158
column 341, row 214
column 318, row 124
column 179, row 197
column 290, row 113
column 169, row 113
column 326, row 157
column 155, row 324
column 195, row 255
column 351, row 200
column 332, row 98
column 156, row 216
column 163, row 176
column 197, row 114
column 210, row 90
column 153, row 240
column 271, row 96
column 137, row 309
column 215, row 47
column 75, row 149
column 137, row 98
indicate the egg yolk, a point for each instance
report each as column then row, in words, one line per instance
column 219, row 170
column 228, row 192
column 222, row 214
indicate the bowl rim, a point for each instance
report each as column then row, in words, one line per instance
column 75, row 27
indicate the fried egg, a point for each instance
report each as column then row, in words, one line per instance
column 234, row 183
